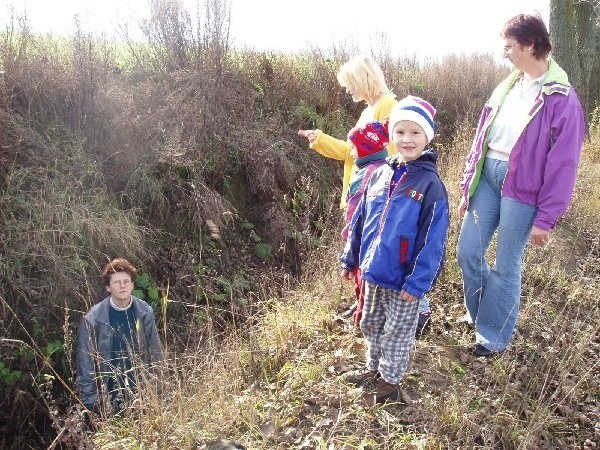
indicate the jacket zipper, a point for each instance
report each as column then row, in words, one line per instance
column 389, row 199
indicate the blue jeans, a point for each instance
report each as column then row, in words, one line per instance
column 424, row 305
column 492, row 295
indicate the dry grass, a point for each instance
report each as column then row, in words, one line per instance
column 109, row 151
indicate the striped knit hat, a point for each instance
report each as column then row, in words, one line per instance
column 416, row 110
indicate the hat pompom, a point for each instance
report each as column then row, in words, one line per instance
column 370, row 139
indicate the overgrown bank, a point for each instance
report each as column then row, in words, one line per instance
column 278, row 384
column 182, row 155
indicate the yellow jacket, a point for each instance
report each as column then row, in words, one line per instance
column 337, row 149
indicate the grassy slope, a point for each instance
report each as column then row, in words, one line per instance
column 276, row 384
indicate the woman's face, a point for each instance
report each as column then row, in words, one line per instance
column 357, row 95
column 120, row 287
column 516, row 53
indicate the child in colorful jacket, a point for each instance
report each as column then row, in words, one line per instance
column 397, row 237
column 368, row 147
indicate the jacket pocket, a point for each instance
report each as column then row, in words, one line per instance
column 404, row 252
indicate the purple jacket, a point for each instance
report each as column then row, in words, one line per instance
column 542, row 166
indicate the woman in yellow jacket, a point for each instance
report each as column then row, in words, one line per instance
column 363, row 79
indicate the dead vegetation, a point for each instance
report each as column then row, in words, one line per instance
column 181, row 154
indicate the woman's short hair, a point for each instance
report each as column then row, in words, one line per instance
column 529, row 30
column 118, row 265
column 364, row 74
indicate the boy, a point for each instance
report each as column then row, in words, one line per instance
column 397, row 237
column 112, row 337
column 368, row 147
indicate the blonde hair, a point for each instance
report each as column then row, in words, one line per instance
column 364, row 74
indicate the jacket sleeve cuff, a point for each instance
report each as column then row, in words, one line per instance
column 343, row 265
column 412, row 291
column 314, row 143
column 543, row 224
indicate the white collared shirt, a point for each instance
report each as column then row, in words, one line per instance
column 513, row 116
column 119, row 308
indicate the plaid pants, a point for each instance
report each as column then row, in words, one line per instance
column 388, row 325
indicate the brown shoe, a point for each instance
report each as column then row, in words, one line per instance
column 358, row 377
column 381, row 391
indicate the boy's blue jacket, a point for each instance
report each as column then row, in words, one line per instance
column 401, row 238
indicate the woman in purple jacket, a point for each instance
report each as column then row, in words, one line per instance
column 518, row 180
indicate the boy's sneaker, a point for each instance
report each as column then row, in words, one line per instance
column 380, row 391
column 423, row 323
column 358, row 377
column 484, row 352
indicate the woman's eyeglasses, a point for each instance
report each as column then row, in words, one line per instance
column 124, row 283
